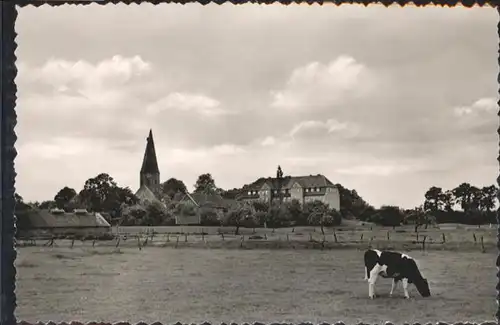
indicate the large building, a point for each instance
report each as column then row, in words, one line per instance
column 302, row 188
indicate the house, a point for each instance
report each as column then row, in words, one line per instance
column 55, row 222
column 200, row 201
column 302, row 188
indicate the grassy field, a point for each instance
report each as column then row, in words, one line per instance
column 103, row 283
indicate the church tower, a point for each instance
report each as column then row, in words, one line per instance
column 150, row 174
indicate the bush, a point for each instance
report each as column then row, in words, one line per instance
column 388, row 216
column 210, row 217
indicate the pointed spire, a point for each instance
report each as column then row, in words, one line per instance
column 150, row 163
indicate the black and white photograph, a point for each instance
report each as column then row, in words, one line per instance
column 256, row 163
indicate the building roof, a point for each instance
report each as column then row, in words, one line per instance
column 288, row 181
column 144, row 194
column 36, row 218
column 203, row 199
column 150, row 163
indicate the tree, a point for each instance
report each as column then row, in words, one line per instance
column 475, row 199
column 47, row 205
column 101, row 193
column 463, row 195
column 433, row 199
column 240, row 215
column 320, row 215
column 367, row 213
column 419, row 217
column 132, row 215
column 351, row 204
column 210, row 216
column 447, row 199
column 388, row 216
column 277, row 215
column 205, row 184
column 157, row 214
column 172, row 187
column 294, row 209
column 63, row 197
column 489, row 198
column 20, row 205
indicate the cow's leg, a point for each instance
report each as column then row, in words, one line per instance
column 405, row 288
column 371, row 283
column 394, row 285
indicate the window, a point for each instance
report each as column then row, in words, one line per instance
column 249, row 192
column 307, row 190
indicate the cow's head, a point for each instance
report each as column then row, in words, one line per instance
column 423, row 287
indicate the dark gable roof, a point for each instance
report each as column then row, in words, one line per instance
column 288, row 181
column 36, row 218
column 202, row 199
column 149, row 163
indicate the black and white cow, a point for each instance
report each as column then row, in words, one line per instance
column 399, row 267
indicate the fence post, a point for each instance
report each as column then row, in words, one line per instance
column 241, row 242
column 444, row 238
column 482, row 245
column 474, row 236
column 388, row 235
column 177, row 242
column 73, row 242
column 185, row 238
column 361, row 238
column 423, row 243
column 139, row 243
column 335, row 236
column 287, row 238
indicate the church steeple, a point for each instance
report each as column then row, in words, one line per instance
column 150, row 173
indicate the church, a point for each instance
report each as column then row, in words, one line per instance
column 150, row 188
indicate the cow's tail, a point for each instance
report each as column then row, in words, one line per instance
column 366, row 274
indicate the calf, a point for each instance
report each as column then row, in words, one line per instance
column 396, row 266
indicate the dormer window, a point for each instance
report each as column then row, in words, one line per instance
column 307, row 190
column 317, row 189
column 249, row 192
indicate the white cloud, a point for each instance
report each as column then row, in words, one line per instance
column 87, row 77
column 483, row 105
column 201, row 104
column 314, row 127
column 318, row 84
column 268, row 141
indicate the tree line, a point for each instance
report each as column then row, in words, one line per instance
column 464, row 204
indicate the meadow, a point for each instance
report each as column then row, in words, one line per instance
column 264, row 280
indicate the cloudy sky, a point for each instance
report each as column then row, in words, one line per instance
column 388, row 101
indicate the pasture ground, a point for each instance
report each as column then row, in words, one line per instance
column 104, row 283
